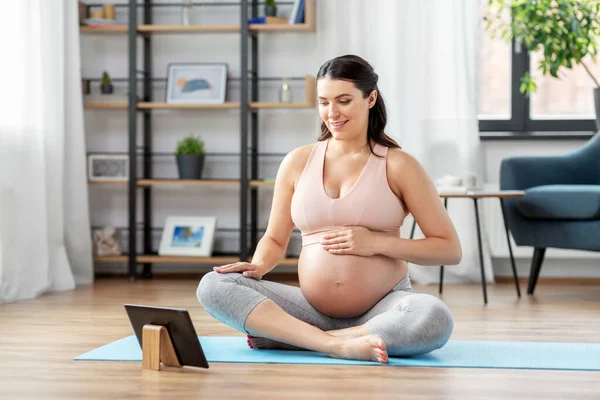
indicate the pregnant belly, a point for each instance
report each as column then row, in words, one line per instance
column 344, row 286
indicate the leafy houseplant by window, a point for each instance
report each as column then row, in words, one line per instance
column 190, row 157
column 566, row 32
column 106, row 86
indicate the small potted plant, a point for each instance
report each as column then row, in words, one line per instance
column 190, row 157
column 270, row 8
column 106, row 86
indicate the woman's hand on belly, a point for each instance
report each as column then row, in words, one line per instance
column 354, row 240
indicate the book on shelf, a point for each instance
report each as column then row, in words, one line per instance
column 297, row 14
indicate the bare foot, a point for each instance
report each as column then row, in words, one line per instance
column 264, row 343
column 354, row 331
column 369, row 347
column 366, row 347
column 255, row 342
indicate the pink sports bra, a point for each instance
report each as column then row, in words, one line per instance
column 369, row 202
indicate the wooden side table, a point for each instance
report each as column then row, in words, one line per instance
column 476, row 195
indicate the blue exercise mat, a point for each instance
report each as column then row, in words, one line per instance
column 457, row 354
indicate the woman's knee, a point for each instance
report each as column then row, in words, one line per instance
column 211, row 287
column 436, row 317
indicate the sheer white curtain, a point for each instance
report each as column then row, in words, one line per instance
column 45, row 242
column 426, row 56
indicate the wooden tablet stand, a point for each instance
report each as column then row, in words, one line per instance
column 157, row 347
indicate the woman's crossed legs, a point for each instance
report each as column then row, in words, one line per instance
column 275, row 315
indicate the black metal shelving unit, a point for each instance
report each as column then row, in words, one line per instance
column 140, row 88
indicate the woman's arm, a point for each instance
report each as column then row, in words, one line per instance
column 271, row 247
column 410, row 182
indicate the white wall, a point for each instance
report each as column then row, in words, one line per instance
column 289, row 54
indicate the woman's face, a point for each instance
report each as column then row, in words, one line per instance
column 343, row 108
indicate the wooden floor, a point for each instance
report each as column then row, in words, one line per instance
column 39, row 338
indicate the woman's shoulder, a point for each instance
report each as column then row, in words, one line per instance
column 398, row 159
column 294, row 162
column 297, row 158
column 401, row 165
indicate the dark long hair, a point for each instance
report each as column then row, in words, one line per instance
column 358, row 71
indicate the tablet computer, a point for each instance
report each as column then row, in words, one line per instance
column 179, row 325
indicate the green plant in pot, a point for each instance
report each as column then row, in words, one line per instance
column 106, row 86
column 270, row 8
column 565, row 32
column 190, row 157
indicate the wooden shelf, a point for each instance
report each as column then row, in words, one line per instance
column 105, row 106
column 228, row 105
column 173, row 182
column 107, row 182
column 281, row 28
column 261, row 183
column 146, row 106
column 309, row 102
column 111, row 259
column 108, row 29
column 182, row 29
column 155, row 259
column 152, row 259
column 186, row 182
column 280, row 105
column 307, row 26
column 175, row 29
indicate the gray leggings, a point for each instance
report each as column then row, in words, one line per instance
column 409, row 323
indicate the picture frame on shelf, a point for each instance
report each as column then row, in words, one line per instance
column 196, row 83
column 188, row 236
column 108, row 167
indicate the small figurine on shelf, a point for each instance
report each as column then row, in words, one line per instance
column 285, row 95
column 106, row 86
column 106, row 242
column 270, row 8
column 186, row 13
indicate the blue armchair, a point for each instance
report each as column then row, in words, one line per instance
column 561, row 206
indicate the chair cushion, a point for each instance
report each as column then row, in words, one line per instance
column 563, row 202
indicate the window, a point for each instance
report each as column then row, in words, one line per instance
column 571, row 97
column 494, row 79
column 565, row 105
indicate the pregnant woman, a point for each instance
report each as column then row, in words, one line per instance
column 349, row 194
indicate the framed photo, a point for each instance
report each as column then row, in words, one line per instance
column 202, row 83
column 108, row 167
column 188, row 236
